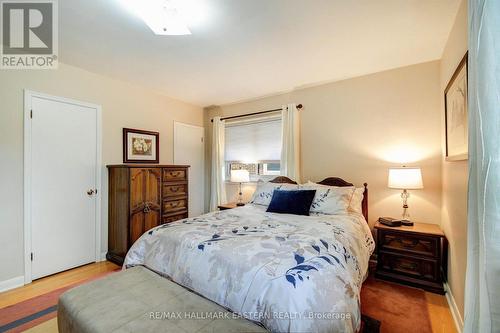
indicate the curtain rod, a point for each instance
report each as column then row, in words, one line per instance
column 299, row 106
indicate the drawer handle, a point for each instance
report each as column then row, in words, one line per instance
column 175, row 173
column 408, row 266
column 408, row 243
column 175, row 189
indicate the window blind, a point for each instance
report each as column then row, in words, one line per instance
column 253, row 142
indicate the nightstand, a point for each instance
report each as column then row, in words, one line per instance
column 230, row 205
column 415, row 255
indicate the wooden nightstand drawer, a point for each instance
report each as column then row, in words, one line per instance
column 410, row 266
column 411, row 244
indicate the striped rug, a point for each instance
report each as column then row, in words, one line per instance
column 38, row 314
column 24, row 315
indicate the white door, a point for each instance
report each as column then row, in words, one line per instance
column 64, row 159
column 189, row 149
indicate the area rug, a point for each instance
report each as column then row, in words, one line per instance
column 34, row 311
column 386, row 308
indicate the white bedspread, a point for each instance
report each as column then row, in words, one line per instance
column 291, row 273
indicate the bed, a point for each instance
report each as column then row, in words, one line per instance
column 287, row 272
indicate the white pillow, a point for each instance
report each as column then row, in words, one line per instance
column 329, row 199
column 355, row 204
column 264, row 191
column 357, row 199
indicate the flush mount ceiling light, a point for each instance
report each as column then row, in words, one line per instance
column 164, row 17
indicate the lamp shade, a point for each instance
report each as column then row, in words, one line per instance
column 240, row 176
column 405, row 178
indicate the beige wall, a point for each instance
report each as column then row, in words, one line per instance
column 455, row 174
column 123, row 105
column 358, row 128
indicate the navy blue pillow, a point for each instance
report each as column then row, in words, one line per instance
column 296, row 202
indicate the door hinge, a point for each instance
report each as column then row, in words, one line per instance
column 31, row 256
column 31, row 114
column 201, row 139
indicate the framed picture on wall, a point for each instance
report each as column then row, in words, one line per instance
column 456, row 126
column 140, row 146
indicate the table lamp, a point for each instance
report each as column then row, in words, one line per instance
column 240, row 176
column 405, row 179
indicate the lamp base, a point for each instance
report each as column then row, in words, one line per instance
column 407, row 223
column 240, row 204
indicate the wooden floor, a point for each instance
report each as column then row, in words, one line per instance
column 52, row 282
column 439, row 312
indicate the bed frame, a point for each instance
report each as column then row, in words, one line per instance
column 332, row 181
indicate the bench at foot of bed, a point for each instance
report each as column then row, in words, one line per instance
column 139, row 300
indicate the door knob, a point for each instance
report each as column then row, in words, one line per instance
column 90, row 192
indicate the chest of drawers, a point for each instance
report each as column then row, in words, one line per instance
column 142, row 197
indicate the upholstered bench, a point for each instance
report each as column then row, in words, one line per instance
column 139, row 300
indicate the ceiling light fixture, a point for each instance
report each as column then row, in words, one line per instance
column 164, row 17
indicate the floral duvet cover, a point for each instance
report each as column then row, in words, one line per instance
column 290, row 273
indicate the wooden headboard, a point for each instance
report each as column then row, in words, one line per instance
column 332, row 181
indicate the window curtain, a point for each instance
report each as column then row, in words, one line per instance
column 482, row 286
column 290, row 144
column 217, row 187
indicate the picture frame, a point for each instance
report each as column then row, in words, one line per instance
column 140, row 146
column 456, row 113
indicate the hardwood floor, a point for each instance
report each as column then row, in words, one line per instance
column 439, row 312
column 52, row 282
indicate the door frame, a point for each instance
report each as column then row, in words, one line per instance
column 204, row 153
column 28, row 95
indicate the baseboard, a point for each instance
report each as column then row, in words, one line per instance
column 103, row 256
column 457, row 318
column 12, row 283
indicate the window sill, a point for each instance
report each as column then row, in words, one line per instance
column 252, row 182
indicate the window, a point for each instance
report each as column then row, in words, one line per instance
column 254, row 146
column 257, row 171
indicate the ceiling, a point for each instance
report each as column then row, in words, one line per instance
column 243, row 49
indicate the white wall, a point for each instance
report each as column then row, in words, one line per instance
column 358, row 128
column 455, row 174
column 123, row 105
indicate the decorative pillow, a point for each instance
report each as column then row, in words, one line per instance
column 296, row 202
column 264, row 192
column 330, row 199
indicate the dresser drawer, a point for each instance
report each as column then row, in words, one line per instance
column 173, row 218
column 419, row 245
column 174, row 205
column 170, row 175
column 426, row 269
column 174, row 190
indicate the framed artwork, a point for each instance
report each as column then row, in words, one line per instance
column 455, row 106
column 140, row 146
